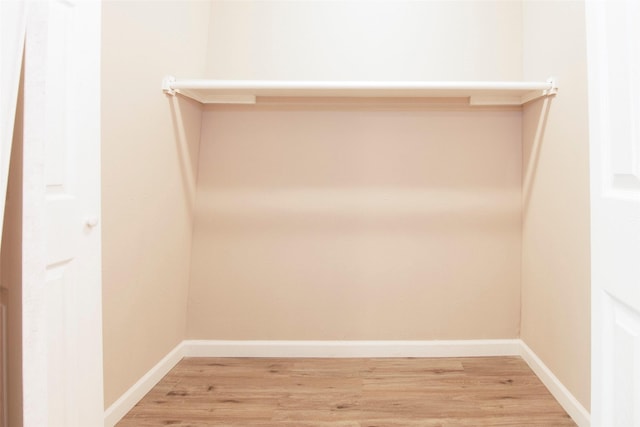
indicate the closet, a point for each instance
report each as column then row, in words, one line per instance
column 382, row 177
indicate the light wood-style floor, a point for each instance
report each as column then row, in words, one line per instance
column 482, row 391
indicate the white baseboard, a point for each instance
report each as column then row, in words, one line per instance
column 131, row 397
column 462, row 348
column 570, row 404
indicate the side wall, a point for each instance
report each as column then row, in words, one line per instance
column 149, row 160
column 555, row 267
column 11, row 270
column 346, row 222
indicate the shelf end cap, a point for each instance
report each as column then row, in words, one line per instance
column 167, row 85
column 553, row 86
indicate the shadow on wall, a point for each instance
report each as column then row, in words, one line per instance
column 359, row 209
column 354, row 165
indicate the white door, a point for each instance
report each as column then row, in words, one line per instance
column 613, row 39
column 62, row 315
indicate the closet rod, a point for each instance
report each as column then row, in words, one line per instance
column 247, row 91
column 171, row 84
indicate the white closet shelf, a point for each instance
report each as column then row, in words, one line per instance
column 248, row 91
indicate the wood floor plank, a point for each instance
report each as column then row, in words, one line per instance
column 269, row 392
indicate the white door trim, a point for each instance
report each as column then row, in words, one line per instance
column 34, row 355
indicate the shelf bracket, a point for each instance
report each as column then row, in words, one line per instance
column 166, row 85
column 552, row 90
column 553, row 87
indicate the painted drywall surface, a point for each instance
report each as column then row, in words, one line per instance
column 11, row 271
column 347, row 222
column 555, row 269
column 149, row 151
column 372, row 40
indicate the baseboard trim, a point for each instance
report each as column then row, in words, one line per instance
column 347, row 349
column 570, row 404
column 131, row 397
column 462, row 348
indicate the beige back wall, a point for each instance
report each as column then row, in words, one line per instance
column 349, row 222
column 149, row 152
column 556, row 258
column 366, row 40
